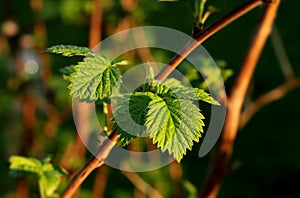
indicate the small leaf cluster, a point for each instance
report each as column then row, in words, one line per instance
column 166, row 112
column 49, row 176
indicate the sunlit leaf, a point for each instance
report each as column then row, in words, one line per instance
column 49, row 176
column 174, row 124
column 94, row 79
column 130, row 114
column 69, row 50
column 189, row 93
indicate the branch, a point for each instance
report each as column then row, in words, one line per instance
column 278, row 92
column 271, row 96
column 96, row 21
column 93, row 163
column 205, row 34
column 236, row 99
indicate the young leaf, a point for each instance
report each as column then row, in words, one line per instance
column 149, row 78
column 49, row 176
column 130, row 114
column 149, row 73
column 68, row 69
column 25, row 164
column 174, row 124
column 125, row 138
column 172, row 83
column 108, row 81
column 50, row 180
column 94, row 79
column 189, row 93
column 69, row 50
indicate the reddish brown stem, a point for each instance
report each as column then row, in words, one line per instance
column 22, row 188
column 96, row 21
column 93, row 163
column 236, row 99
column 83, row 111
column 205, row 34
column 100, row 182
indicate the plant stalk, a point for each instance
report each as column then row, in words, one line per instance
column 236, row 99
column 205, row 34
column 93, row 163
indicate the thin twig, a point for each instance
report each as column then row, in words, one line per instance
column 235, row 101
column 142, row 185
column 281, row 55
column 271, row 96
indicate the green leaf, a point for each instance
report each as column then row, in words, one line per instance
column 125, row 138
column 171, row 118
column 25, row 164
column 69, row 50
column 50, row 181
column 149, row 78
column 68, row 69
column 161, row 89
column 149, row 73
column 189, row 93
column 173, row 124
column 130, row 114
column 108, row 81
column 49, row 176
column 172, row 83
column 94, row 79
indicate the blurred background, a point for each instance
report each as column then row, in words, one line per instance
column 36, row 114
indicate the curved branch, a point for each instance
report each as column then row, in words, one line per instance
column 93, row 163
column 236, row 99
column 205, row 34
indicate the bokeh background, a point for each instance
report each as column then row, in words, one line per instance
column 36, row 115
